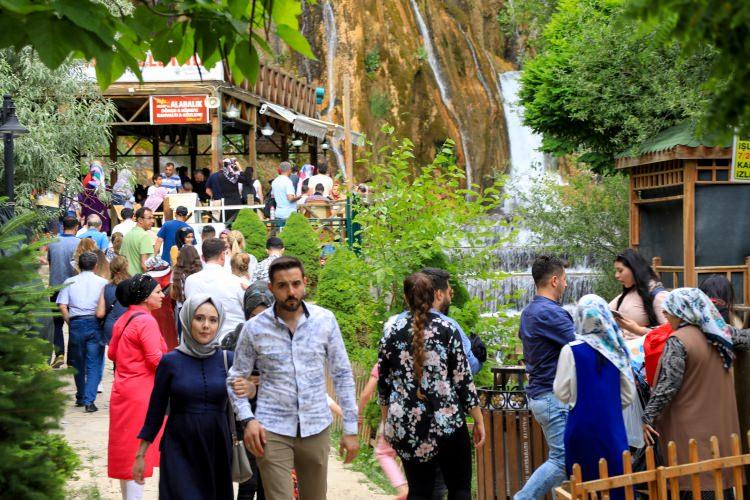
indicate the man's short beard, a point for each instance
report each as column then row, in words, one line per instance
column 285, row 306
column 445, row 307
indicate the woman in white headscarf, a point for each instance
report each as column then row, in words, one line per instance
column 595, row 378
column 196, row 445
column 124, row 189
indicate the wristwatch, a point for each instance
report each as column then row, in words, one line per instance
column 245, row 421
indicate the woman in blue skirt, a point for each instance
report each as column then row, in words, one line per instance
column 594, row 377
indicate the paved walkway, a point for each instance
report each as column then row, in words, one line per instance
column 87, row 433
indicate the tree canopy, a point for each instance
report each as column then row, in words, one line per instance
column 117, row 35
column 600, row 85
column 725, row 26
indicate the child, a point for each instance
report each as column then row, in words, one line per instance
column 156, row 195
column 385, row 454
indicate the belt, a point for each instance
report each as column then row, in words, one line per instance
column 85, row 316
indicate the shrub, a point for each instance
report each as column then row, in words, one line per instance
column 254, row 230
column 301, row 241
column 344, row 288
column 33, row 462
column 380, row 104
column 372, row 61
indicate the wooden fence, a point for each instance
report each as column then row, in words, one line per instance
column 361, row 376
column 662, row 483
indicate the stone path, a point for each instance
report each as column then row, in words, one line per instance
column 87, row 433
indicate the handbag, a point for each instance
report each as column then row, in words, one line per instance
column 241, row 470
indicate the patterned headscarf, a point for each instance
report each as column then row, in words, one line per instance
column 135, row 290
column 124, row 184
column 189, row 345
column 95, row 177
column 229, row 172
column 694, row 307
column 306, row 171
column 596, row 326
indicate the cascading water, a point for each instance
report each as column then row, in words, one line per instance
column 442, row 86
column 527, row 168
column 329, row 28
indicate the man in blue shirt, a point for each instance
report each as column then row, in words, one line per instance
column 171, row 179
column 59, row 254
column 94, row 225
column 168, row 233
column 545, row 328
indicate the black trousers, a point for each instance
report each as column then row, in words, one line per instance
column 454, row 459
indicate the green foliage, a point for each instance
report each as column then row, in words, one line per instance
column 600, row 85
column 372, row 61
column 33, row 462
column 66, row 117
column 301, row 241
column 523, row 22
column 421, row 54
column 587, row 217
column 254, row 230
column 234, row 30
column 380, row 104
column 344, row 288
column 721, row 25
column 439, row 260
column 419, row 210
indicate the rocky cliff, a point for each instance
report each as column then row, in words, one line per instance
column 428, row 67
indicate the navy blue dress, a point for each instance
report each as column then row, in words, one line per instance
column 196, row 448
column 595, row 427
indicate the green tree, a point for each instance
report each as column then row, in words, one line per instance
column 721, row 25
column 301, row 241
column 585, row 218
column 344, row 288
column 600, row 85
column 254, row 230
column 117, row 35
column 33, row 462
column 66, row 116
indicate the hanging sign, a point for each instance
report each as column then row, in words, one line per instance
column 741, row 159
column 178, row 109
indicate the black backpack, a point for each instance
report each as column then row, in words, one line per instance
column 478, row 348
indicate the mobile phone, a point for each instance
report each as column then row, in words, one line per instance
column 616, row 314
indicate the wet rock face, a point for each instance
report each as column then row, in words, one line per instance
column 445, row 86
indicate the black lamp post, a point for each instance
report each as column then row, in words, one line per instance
column 10, row 128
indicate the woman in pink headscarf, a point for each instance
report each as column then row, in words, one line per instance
column 93, row 186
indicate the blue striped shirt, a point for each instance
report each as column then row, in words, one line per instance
column 292, row 391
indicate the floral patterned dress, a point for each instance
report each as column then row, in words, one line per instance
column 414, row 426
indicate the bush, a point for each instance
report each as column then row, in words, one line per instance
column 301, row 241
column 33, row 463
column 372, row 61
column 380, row 104
column 344, row 288
column 254, row 230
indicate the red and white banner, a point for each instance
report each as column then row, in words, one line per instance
column 178, row 109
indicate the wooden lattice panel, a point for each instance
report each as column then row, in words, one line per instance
column 713, row 170
column 658, row 175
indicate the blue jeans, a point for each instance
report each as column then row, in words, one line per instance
column 552, row 416
column 86, row 355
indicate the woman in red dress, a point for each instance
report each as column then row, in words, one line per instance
column 136, row 349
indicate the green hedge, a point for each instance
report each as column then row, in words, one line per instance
column 301, row 241
column 254, row 230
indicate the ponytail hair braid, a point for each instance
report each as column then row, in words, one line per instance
column 419, row 294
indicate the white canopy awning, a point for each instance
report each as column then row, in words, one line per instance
column 309, row 126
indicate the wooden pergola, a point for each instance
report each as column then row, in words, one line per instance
column 273, row 86
column 686, row 213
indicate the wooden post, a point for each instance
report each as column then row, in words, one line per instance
column 155, row 149
column 193, row 150
column 688, row 222
column 252, row 146
column 113, row 156
column 635, row 215
column 348, row 153
column 216, row 144
column 284, row 146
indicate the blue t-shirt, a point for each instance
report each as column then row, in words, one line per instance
column 214, row 185
column 168, row 233
column 59, row 253
column 545, row 328
column 99, row 238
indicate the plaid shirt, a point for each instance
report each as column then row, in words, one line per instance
column 292, row 393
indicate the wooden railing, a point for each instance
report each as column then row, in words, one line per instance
column 361, row 376
column 727, row 271
column 662, row 483
column 284, row 89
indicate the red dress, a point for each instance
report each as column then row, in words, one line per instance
column 136, row 353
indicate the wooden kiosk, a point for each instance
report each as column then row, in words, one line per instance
column 686, row 212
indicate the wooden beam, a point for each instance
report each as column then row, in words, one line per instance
column 155, row 150
column 634, row 225
column 216, row 145
column 252, row 147
column 348, row 153
column 644, row 201
column 688, row 222
column 193, row 151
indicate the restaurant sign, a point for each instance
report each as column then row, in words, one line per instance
column 178, row 109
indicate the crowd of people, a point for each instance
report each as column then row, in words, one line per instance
column 647, row 368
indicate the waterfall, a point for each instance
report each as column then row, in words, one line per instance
column 473, row 52
column 527, row 168
column 442, row 86
column 339, row 157
column 329, row 28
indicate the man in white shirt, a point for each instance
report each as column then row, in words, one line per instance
column 128, row 222
column 322, row 177
column 282, row 190
column 220, row 284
